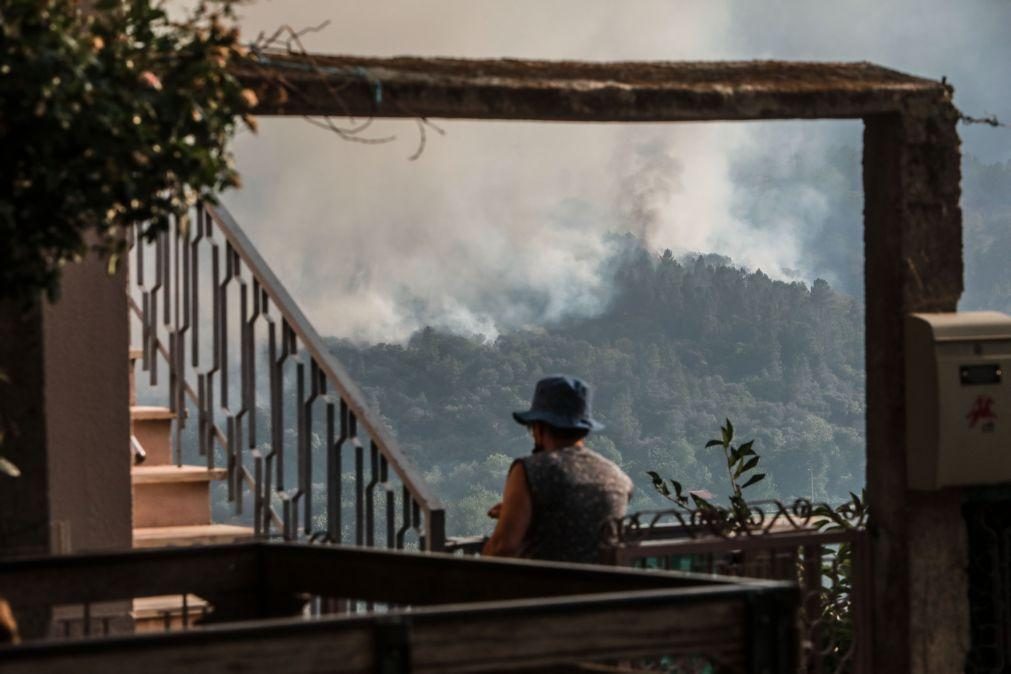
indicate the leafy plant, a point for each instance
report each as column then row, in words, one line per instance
column 837, row 570
column 836, row 587
column 741, row 461
column 110, row 117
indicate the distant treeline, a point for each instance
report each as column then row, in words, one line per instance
column 682, row 344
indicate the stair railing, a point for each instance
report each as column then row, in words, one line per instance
column 183, row 283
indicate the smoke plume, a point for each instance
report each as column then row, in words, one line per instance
column 501, row 225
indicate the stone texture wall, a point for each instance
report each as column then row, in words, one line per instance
column 913, row 262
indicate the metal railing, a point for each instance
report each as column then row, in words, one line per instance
column 827, row 557
column 270, row 403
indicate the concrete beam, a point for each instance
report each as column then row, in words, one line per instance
column 578, row 91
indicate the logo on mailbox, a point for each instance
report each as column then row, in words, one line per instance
column 982, row 410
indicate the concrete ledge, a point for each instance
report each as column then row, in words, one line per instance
column 207, row 534
column 146, row 412
column 169, row 474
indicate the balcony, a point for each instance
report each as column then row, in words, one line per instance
column 297, row 607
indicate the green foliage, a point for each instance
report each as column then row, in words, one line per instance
column 741, row 461
column 681, row 344
column 109, row 119
column 836, row 588
column 837, row 568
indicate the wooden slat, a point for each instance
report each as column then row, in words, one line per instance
column 581, row 634
column 204, row 651
column 643, row 614
column 74, row 579
column 503, row 636
column 388, row 576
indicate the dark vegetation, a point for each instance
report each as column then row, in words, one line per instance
column 681, row 344
column 110, row 119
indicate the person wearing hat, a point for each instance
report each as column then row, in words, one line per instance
column 558, row 501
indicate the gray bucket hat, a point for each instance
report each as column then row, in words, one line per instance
column 562, row 402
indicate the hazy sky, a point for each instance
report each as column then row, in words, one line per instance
column 499, row 225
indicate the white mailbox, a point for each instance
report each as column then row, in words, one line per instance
column 958, row 399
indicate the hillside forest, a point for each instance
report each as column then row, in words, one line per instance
column 682, row 343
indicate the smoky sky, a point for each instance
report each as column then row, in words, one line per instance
column 502, row 225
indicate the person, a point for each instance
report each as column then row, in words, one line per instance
column 558, row 501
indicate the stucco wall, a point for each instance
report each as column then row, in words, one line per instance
column 86, row 342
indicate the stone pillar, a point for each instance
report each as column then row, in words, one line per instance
column 913, row 262
column 66, row 409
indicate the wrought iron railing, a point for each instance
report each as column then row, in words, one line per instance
column 826, row 554
column 254, row 389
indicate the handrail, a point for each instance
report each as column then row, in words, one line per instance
column 333, row 370
column 217, row 435
column 170, row 306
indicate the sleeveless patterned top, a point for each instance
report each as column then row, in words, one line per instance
column 575, row 493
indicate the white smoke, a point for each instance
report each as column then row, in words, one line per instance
column 499, row 224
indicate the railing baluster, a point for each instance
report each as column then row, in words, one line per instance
column 405, row 516
column 416, row 524
column 286, row 517
column 167, row 304
column 302, row 436
column 145, row 330
column 209, row 420
column 195, row 288
column 139, row 270
column 216, row 312
column 384, row 477
column 249, row 361
column 222, row 317
column 152, row 317
column 173, row 335
column 234, row 476
column 370, row 501
column 201, row 417
column 435, row 530
column 167, row 268
column 331, row 452
column 335, row 463
column 315, row 390
column 359, row 483
column 276, row 409
column 258, row 488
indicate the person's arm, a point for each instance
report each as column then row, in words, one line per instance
column 514, row 516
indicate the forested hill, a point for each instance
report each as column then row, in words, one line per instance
column 682, row 344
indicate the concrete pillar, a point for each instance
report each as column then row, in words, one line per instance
column 66, row 411
column 913, row 262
